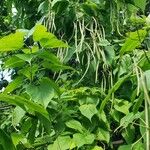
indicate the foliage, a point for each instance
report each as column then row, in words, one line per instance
column 79, row 75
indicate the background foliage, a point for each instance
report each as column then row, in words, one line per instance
column 80, row 75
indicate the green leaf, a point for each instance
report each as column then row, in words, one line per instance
column 29, row 71
column 125, row 147
column 43, row 93
column 22, row 102
column 88, row 110
column 90, row 8
column 26, row 57
column 76, row 125
column 97, row 148
column 103, row 135
column 18, row 138
column 56, row 67
column 104, row 42
column 46, row 39
column 138, row 103
column 139, row 146
column 6, row 141
column 16, row 83
column 129, row 118
column 12, row 42
column 59, row 6
column 122, row 106
column 134, row 40
column 129, row 134
column 82, row 139
column 109, row 54
column 50, row 57
column 13, row 62
column 17, row 115
column 140, row 3
column 43, row 7
column 62, row 143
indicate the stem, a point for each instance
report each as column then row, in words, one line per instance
column 147, row 124
column 147, row 103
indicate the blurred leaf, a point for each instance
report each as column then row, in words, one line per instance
column 90, row 8
column 43, row 7
column 59, row 6
column 104, row 42
column 97, row 148
column 109, row 54
column 6, row 141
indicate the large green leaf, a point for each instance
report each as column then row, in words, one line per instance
column 22, row 102
column 88, row 110
column 134, row 40
column 46, row 39
column 43, row 93
column 12, row 42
